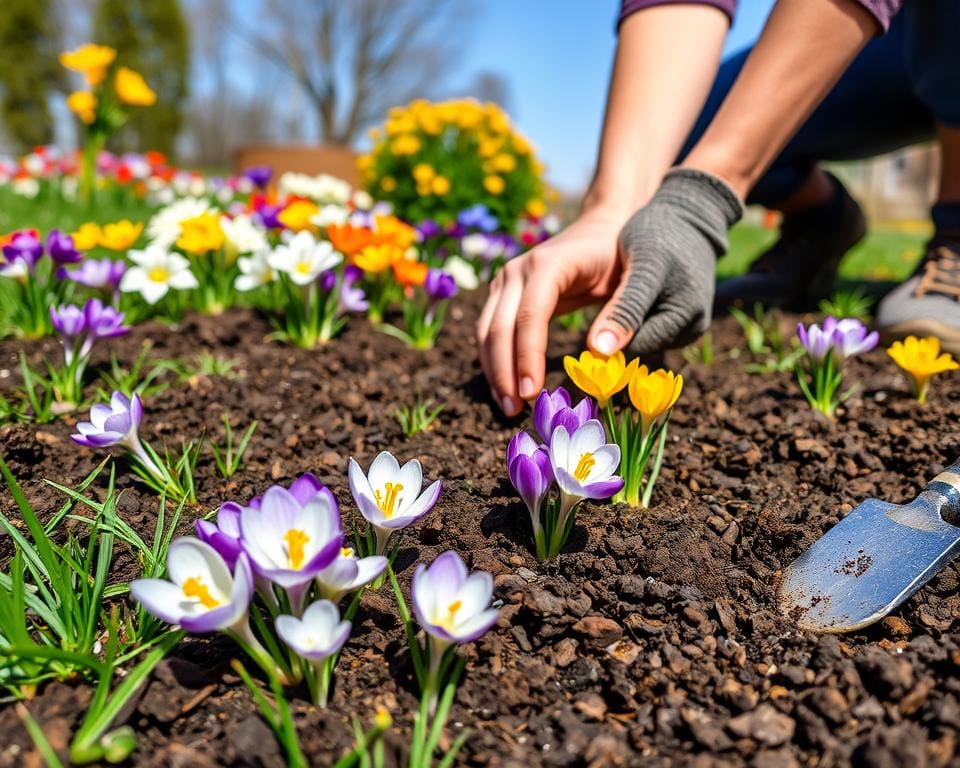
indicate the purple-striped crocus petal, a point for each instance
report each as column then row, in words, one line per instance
column 850, row 338
column 531, row 481
column 232, row 612
column 546, row 407
column 603, row 489
column 69, row 321
column 307, row 486
column 451, row 605
column 586, row 410
column 521, row 443
column 103, row 321
column 228, row 546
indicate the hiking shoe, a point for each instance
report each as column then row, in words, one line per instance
column 928, row 304
column 801, row 267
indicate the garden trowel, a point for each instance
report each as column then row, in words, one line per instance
column 874, row 559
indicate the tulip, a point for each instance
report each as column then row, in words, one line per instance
column 921, row 359
column 117, row 424
column 598, row 376
column 317, row 637
column 653, row 394
column 389, row 495
column 553, row 408
column 530, row 471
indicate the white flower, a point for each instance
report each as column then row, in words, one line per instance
column 362, row 200
column 255, row 270
column 584, row 464
column 347, row 573
column 155, row 272
column 242, row 234
column 164, row 227
column 26, row 187
column 330, row 214
column 303, row 258
column 462, row 272
column 317, row 635
column 321, row 189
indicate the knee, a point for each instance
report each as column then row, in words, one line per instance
column 932, row 29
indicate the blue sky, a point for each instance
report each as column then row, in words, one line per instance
column 556, row 56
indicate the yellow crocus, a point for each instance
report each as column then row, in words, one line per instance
column 84, row 105
column 921, row 359
column 120, row 235
column 599, row 376
column 200, row 234
column 653, row 393
column 378, row 258
column 494, row 184
column 87, row 236
column 90, row 59
column 132, row 89
column 297, row 216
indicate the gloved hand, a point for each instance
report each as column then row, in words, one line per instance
column 668, row 250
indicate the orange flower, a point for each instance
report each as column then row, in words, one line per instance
column 389, row 230
column 409, row 273
column 349, row 240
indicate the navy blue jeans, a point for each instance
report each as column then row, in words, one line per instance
column 891, row 96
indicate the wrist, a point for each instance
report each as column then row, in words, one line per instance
column 727, row 166
column 618, row 197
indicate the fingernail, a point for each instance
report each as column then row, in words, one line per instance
column 507, row 405
column 526, row 388
column 606, row 342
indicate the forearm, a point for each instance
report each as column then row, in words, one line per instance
column 805, row 47
column 666, row 62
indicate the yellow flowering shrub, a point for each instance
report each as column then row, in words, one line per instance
column 432, row 160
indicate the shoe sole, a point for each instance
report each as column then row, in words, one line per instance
column 949, row 335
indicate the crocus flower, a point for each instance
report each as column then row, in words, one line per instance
column 478, row 217
column 598, row 376
column 439, row 285
column 155, row 272
column 224, row 536
column 269, row 215
column 921, row 359
column 201, row 595
column 584, row 464
column 851, row 338
column 61, row 248
column 389, row 495
column 302, row 259
column 352, row 296
column 120, row 235
column 116, row 424
column 71, row 323
column 289, row 543
column 452, row 605
column 255, row 270
column 96, row 273
column 103, row 322
column 653, row 394
column 463, row 272
column 319, row 633
column 530, row 471
column 349, row 572
column 258, row 175
column 23, row 249
column 553, row 408
column 429, row 228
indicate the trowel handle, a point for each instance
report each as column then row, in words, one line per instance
column 944, row 491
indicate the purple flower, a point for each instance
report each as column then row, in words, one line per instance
column 258, row 175
column 61, row 248
column 452, row 605
column 70, row 321
column 96, row 273
column 24, row 247
column 352, row 296
column 225, row 535
column 268, row 215
column 103, row 321
column 852, row 338
column 816, row 340
column 553, row 409
column 529, row 469
column 114, row 424
column 327, row 280
column 440, row 285
column 429, row 228
column 478, row 217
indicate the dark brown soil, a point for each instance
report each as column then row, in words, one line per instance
column 653, row 640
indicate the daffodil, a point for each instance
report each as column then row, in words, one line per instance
column 598, row 376
column 653, row 393
column 921, row 359
column 132, row 89
column 90, row 59
column 120, row 235
column 201, row 234
column 84, row 105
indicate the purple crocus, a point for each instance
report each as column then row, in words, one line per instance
column 429, row 228
column 439, row 285
column 451, row 604
column 61, row 248
column 24, row 248
column 327, row 280
column 258, row 175
column 103, row 322
column 96, row 273
column 269, row 215
column 224, row 536
column 817, row 340
column 352, row 296
column 530, row 471
column 114, row 424
column 851, row 338
column 554, row 408
column 478, row 217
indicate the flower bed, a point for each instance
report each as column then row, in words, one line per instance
column 651, row 638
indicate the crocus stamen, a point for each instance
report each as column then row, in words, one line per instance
column 159, row 274
column 388, row 501
column 346, row 552
column 194, row 587
column 584, row 466
column 449, row 620
column 295, row 540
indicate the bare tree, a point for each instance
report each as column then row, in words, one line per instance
column 355, row 58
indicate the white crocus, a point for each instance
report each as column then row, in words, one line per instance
column 164, row 228
column 316, row 637
column 302, row 258
column 389, row 495
column 242, row 235
column 255, row 270
column 155, row 272
column 347, row 573
column 463, row 273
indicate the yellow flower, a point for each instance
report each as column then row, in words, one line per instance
column 653, row 394
column 536, row 208
column 488, row 147
column 200, row 234
column 598, row 376
column 298, row 214
column 388, row 183
column 503, row 163
column 378, row 258
column 390, row 230
column 132, row 89
column 84, row 105
column 364, row 163
column 120, row 235
column 440, row 185
column 493, row 184
column 90, row 59
column 86, row 237
column 423, row 173
column 405, row 145
column 921, row 359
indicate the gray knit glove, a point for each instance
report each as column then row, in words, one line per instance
column 670, row 248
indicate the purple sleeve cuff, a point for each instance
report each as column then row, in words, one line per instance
column 628, row 7
column 883, row 10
